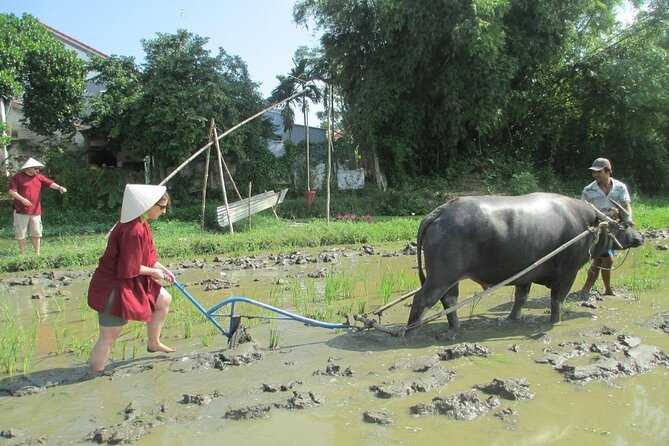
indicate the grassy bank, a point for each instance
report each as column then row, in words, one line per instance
column 72, row 245
column 176, row 240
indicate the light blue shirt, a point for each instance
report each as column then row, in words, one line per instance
column 593, row 194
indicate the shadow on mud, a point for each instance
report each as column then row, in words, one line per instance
column 33, row 383
column 473, row 330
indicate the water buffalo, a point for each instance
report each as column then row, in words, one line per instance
column 490, row 238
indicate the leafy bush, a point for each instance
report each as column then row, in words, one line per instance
column 523, row 183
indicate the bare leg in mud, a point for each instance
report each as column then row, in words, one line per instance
column 155, row 327
column 102, row 348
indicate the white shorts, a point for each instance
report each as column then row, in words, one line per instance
column 24, row 223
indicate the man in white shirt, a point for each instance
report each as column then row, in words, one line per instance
column 598, row 193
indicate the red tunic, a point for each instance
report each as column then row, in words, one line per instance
column 130, row 246
column 29, row 188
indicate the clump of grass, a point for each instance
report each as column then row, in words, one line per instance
column 17, row 343
column 387, row 286
column 274, row 337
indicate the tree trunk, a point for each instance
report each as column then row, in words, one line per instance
column 381, row 181
column 4, row 154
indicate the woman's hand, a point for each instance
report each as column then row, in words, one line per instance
column 168, row 276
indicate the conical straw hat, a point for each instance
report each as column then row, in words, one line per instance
column 32, row 162
column 138, row 198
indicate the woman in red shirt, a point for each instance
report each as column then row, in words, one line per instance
column 125, row 284
column 25, row 188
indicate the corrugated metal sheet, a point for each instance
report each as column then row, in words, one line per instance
column 240, row 209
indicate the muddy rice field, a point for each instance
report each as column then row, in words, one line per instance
column 601, row 376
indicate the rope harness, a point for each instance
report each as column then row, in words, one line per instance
column 597, row 231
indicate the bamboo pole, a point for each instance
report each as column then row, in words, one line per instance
column 249, row 206
column 206, row 175
column 220, row 171
column 232, row 180
column 330, row 147
column 227, row 132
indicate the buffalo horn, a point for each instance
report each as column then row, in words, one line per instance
column 623, row 211
column 601, row 215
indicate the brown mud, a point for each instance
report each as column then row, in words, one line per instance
column 599, row 377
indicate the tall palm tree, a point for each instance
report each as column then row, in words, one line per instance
column 300, row 78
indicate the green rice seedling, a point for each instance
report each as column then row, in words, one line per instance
column 387, row 286
column 59, row 302
column 347, row 286
column 5, row 313
column 297, row 294
column 134, row 351
column 345, row 309
column 362, row 304
column 29, row 349
column 332, row 285
column 123, row 349
column 472, row 306
column 84, row 311
column 206, row 340
column 274, row 336
column 61, row 339
column 276, row 294
column 310, row 290
column 82, row 347
column 188, row 329
column 401, row 281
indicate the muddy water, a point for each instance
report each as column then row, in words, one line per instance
column 141, row 398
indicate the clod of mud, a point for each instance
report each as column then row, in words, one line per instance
column 410, row 249
column 242, row 354
column 302, row 400
column 334, row 370
column 47, row 279
column 8, row 433
column 249, row 412
column 463, row 349
column 510, row 389
column 382, row 418
column 217, row 284
column 655, row 234
column 281, row 387
column 506, row 414
column 236, row 358
column 623, row 355
column 199, row 399
column 659, row 322
column 417, row 364
column 299, row 400
column 130, row 430
column 459, row 406
column 435, row 377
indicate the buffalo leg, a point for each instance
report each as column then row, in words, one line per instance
column 449, row 300
column 558, row 293
column 425, row 298
column 520, row 297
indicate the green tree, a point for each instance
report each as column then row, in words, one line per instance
column 163, row 108
column 425, row 84
column 302, row 77
column 36, row 69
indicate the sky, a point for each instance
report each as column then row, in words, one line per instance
column 261, row 32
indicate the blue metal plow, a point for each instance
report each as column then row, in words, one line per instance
column 214, row 315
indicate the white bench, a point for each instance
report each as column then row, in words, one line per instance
column 240, row 209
